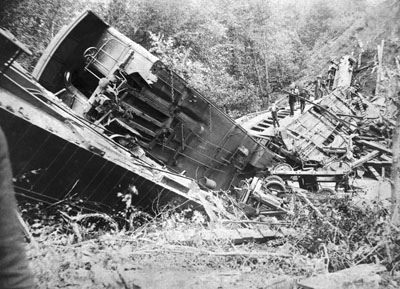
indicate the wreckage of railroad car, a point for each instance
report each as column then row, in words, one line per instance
column 57, row 156
column 101, row 116
column 332, row 138
column 133, row 98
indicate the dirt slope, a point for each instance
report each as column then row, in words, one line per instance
column 380, row 22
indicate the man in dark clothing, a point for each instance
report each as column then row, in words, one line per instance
column 319, row 86
column 303, row 93
column 14, row 270
column 293, row 93
column 331, row 74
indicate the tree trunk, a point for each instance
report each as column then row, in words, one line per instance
column 267, row 85
column 262, row 92
column 379, row 70
column 396, row 174
column 266, row 66
column 396, row 152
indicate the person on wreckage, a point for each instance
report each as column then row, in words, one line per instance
column 304, row 95
column 274, row 113
column 319, row 87
column 292, row 98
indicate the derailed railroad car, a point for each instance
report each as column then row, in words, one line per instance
column 136, row 100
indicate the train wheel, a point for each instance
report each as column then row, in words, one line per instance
column 283, row 168
column 326, row 192
column 274, row 178
column 339, row 166
column 276, row 188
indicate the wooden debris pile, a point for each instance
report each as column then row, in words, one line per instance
column 340, row 137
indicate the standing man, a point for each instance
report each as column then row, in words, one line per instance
column 318, row 87
column 274, row 113
column 293, row 93
column 303, row 93
column 331, row 74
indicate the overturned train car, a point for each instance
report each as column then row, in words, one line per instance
column 134, row 99
column 58, row 156
column 107, row 117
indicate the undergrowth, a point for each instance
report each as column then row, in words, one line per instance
column 70, row 244
column 361, row 233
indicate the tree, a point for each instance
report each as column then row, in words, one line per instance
column 317, row 22
column 396, row 149
column 35, row 23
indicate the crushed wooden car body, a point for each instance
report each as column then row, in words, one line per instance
column 57, row 156
column 340, row 134
column 101, row 117
column 133, row 98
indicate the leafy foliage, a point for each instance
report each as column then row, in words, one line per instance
column 237, row 53
column 362, row 233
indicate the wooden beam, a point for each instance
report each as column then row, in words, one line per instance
column 379, row 163
column 322, row 173
column 375, row 146
column 364, row 159
column 375, row 173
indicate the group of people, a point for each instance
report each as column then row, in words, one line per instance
column 296, row 93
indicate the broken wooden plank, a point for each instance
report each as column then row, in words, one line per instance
column 268, row 199
column 350, row 115
column 272, row 213
column 368, row 138
column 237, row 236
column 329, row 150
column 361, row 276
column 321, row 173
column 181, row 249
column 364, row 159
column 379, row 163
column 375, row 173
column 375, row 146
column 386, row 158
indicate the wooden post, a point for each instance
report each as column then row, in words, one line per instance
column 379, row 70
column 267, row 85
column 361, row 52
column 395, row 83
column 396, row 174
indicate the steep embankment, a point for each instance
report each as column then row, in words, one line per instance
column 380, row 22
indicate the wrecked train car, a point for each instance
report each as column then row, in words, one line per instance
column 108, row 117
column 58, row 156
column 326, row 128
column 329, row 140
column 134, row 99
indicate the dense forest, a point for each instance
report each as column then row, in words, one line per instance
column 238, row 53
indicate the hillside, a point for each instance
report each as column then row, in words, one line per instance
column 379, row 23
